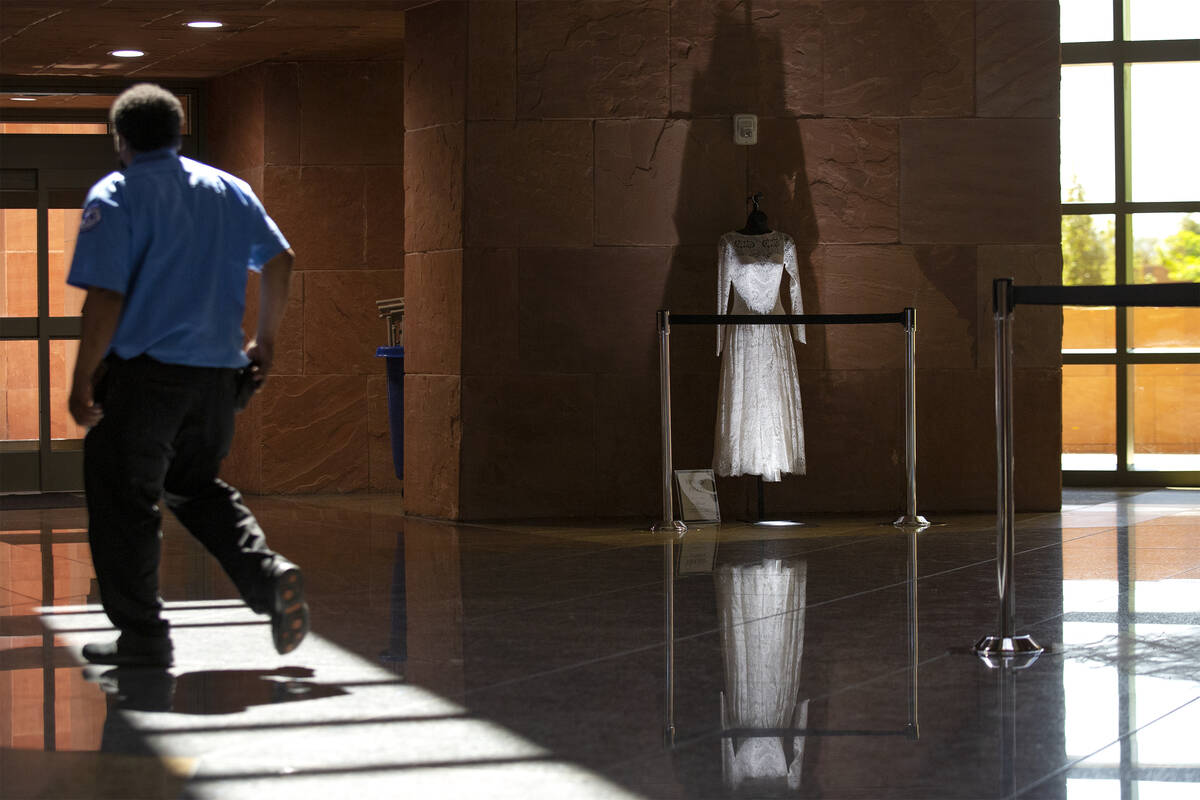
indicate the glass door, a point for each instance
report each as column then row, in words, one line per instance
column 43, row 181
column 1130, row 215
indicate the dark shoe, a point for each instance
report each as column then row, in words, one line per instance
column 289, row 612
column 124, row 653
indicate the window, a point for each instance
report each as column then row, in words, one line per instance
column 1130, row 176
column 67, row 112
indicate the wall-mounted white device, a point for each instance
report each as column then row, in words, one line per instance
column 745, row 129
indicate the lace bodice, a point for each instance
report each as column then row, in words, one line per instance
column 752, row 266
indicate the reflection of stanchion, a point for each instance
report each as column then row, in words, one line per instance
column 1007, row 677
column 911, row 518
column 913, row 728
column 669, row 590
column 1006, row 648
column 668, row 521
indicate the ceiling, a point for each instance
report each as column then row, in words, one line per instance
column 41, row 40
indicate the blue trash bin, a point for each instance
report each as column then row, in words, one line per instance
column 395, row 381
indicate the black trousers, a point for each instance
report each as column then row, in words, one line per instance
column 165, row 430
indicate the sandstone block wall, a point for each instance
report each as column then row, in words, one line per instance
column 321, row 143
column 570, row 166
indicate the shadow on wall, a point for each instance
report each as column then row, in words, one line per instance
column 746, row 70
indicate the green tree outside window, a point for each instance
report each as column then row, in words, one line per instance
column 1089, row 255
column 1181, row 256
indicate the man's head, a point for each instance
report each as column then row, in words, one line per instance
column 146, row 117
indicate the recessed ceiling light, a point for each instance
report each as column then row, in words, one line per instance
column 127, row 53
column 24, row 99
column 210, row 23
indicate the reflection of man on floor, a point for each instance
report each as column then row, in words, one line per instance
column 163, row 251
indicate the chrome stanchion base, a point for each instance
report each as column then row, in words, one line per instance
column 913, row 521
column 669, row 737
column 1015, row 652
column 669, row 526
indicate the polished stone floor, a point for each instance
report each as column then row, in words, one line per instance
column 832, row 660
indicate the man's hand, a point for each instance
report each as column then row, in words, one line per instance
column 101, row 313
column 272, row 302
column 262, row 355
column 84, row 409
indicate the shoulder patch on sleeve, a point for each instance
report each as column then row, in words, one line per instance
column 91, row 216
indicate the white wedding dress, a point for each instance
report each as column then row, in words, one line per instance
column 760, row 422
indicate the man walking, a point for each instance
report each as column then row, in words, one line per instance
column 164, row 249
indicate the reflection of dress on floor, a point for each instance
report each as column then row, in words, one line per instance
column 761, row 607
column 760, row 422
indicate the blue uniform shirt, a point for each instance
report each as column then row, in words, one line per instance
column 176, row 238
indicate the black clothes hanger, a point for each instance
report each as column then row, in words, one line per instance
column 756, row 222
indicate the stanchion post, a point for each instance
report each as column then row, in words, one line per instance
column 668, row 521
column 1006, row 647
column 911, row 518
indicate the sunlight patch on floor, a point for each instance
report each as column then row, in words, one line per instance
column 322, row 720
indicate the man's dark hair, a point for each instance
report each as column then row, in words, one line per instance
column 148, row 116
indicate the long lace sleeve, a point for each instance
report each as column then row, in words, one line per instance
column 793, row 271
column 724, row 278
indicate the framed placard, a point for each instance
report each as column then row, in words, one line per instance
column 697, row 492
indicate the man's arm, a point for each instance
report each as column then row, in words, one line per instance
column 276, row 277
column 101, row 313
